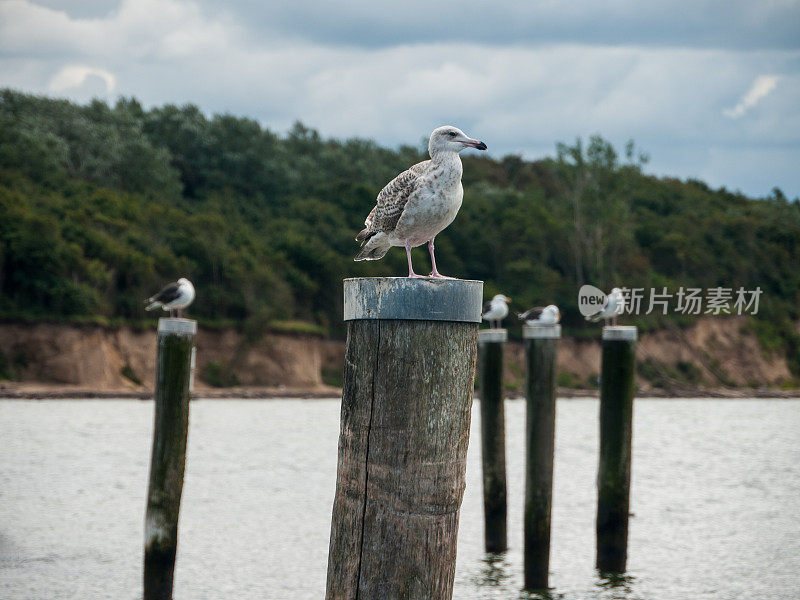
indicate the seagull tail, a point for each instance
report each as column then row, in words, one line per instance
column 595, row 317
column 154, row 304
column 375, row 248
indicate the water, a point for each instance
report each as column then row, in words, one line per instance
column 715, row 492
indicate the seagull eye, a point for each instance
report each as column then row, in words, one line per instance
column 451, row 133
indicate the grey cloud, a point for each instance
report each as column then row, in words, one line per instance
column 519, row 98
column 695, row 23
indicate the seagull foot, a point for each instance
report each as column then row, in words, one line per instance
column 415, row 276
column 439, row 276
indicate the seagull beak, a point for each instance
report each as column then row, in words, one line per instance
column 477, row 144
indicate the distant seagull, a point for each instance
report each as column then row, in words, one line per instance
column 612, row 307
column 420, row 202
column 175, row 296
column 548, row 315
column 496, row 310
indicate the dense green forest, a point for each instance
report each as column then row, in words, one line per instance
column 100, row 205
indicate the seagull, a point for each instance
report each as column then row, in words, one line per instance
column 496, row 310
column 420, row 202
column 613, row 306
column 548, row 315
column 175, row 296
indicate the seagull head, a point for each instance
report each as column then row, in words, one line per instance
column 451, row 139
column 501, row 298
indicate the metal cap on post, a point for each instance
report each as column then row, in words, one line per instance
column 492, row 335
column 541, row 332
column 620, row 332
column 409, row 373
column 174, row 325
column 420, row 299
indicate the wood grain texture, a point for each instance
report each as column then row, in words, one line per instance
column 168, row 460
column 493, row 445
column 540, row 393
column 614, row 474
column 405, row 420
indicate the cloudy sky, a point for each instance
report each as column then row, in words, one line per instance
column 709, row 88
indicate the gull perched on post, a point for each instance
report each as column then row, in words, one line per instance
column 174, row 296
column 496, row 310
column 538, row 315
column 614, row 305
column 420, row 202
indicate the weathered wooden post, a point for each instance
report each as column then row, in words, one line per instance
column 407, row 395
column 493, row 437
column 176, row 338
column 541, row 345
column 616, row 426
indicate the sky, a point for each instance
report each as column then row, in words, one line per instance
column 710, row 89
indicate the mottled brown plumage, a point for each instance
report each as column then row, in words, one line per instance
column 391, row 201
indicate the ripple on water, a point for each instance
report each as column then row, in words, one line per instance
column 714, row 511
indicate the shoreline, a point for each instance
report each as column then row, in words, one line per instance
column 50, row 392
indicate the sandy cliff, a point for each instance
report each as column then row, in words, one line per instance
column 109, row 359
column 713, row 353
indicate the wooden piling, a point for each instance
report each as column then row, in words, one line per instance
column 406, row 402
column 616, row 426
column 493, row 437
column 541, row 346
column 176, row 338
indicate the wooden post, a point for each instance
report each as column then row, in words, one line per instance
column 406, row 401
column 616, row 425
column 493, row 437
column 541, row 345
column 176, row 339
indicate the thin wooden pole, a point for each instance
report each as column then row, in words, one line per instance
column 541, row 345
column 616, row 429
column 176, row 338
column 406, row 403
column 493, row 437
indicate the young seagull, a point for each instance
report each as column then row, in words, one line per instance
column 496, row 310
column 613, row 306
column 548, row 315
column 420, row 202
column 175, row 296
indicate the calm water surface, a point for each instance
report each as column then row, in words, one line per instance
column 716, row 490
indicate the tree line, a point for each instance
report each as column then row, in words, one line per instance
column 101, row 204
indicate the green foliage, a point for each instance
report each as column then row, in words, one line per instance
column 10, row 367
column 332, row 376
column 568, row 380
column 128, row 373
column 101, row 205
column 219, row 374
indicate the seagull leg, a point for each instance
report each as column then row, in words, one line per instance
column 434, row 272
column 410, row 267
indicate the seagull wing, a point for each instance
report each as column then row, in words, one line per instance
column 533, row 313
column 391, row 202
column 167, row 294
column 600, row 314
column 486, row 308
